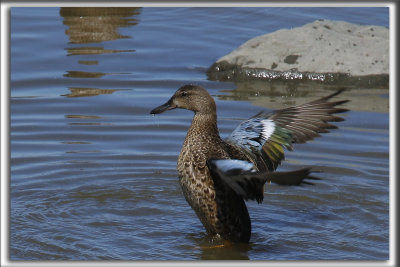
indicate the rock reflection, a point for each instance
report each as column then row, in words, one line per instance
column 281, row 94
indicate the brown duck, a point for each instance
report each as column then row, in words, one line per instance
column 217, row 175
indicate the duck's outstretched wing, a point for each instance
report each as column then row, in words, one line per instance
column 266, row 135
column 241, row 176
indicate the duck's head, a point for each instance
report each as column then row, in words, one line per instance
column 191, row 97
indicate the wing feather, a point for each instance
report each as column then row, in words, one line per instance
column 241, row 176
column 266, row 135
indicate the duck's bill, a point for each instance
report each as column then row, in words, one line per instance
column 162, row 108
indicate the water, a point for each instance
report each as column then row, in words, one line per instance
column 93, row 175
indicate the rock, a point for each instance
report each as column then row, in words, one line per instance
column 326, row 51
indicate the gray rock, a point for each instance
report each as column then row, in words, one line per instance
column 327, row 51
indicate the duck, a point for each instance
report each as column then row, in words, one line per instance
column 218, row 175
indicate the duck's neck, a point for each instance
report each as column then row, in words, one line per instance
column 204, row 125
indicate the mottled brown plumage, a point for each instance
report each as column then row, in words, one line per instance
column 216, row 195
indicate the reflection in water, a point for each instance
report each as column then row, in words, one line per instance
column 84, row 74
column 229, row 252
column 76, row 142
column 92, row 50
column 280, row 94
column 83, row 151
column 274, row 94
column 246, row 91
column 82, row 117
column 79, row 92
column 85, row 117
column 234, row 252
column 89, row 124
column 77, row 117
column 208, row 249
column 94, row 25
column 88, row 62
column 97, row 24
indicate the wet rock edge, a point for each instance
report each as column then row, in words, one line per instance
column 224, row 71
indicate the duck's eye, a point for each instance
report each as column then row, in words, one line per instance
column 183, row 93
